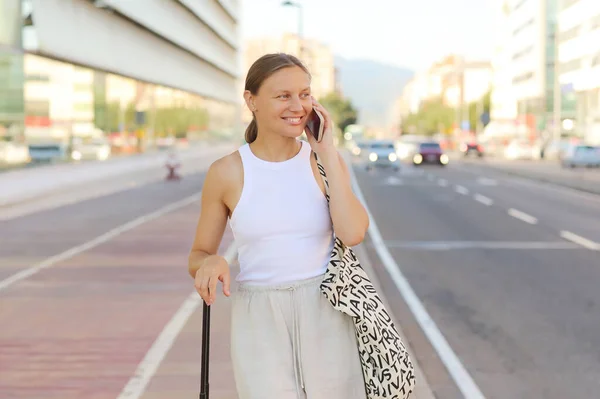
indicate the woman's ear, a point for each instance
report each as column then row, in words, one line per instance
column 249, row 98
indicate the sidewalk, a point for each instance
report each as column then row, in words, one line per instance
column 583, row 179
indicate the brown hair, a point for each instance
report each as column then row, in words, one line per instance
column 262, row 68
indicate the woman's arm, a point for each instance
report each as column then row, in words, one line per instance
column 204, row 265
column 349, row 217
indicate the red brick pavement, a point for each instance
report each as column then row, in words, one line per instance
column 179, row 374
column 80, row 328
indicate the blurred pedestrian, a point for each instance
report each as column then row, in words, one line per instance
column 287, row 341
column 173, row 164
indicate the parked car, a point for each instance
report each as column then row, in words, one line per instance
column 48, row 151
column 430, row 152
column 380, row 153
column 91, row 148
column 13, row 153
column 581, row 155
column 520, row 149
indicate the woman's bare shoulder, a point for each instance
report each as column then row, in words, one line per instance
column 226, row 169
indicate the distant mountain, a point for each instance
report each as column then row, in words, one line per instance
column 373, row 87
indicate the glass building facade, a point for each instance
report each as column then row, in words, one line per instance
column 50, row 102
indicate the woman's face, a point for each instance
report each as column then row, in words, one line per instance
column 283, row 102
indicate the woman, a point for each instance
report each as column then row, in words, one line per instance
column 287, row 342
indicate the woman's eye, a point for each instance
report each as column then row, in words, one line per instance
column 284, row 96
column 305, row 95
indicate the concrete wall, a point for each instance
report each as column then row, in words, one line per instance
column 157, row 41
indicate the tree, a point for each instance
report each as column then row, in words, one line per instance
column 341, row 110
column 474, row 108
column 433, row 117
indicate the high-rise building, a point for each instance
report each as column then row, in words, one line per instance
column 524, row 63
column 579, row 56
column 503, row 102
column 144, row 68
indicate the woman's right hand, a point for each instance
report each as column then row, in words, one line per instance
column 214, row 268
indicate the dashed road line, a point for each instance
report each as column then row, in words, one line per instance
column 522, row 216
column 577, row 239
column 483, row 199
column 461, row 190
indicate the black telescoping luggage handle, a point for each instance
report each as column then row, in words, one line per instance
column 205, row 351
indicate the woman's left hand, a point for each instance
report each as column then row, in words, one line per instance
column 326, row 145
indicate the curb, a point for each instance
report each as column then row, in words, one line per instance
column 105, row 184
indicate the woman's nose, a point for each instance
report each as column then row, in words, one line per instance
column 296, row 104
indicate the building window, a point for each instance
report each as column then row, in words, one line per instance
column 522, row 53
column 522, row 78
column 519, row 5
column 523, row 27
column 595, row 22
column 570, row 34
column 568, row 3
column 570, row 66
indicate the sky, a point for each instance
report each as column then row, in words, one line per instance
column 405, row 33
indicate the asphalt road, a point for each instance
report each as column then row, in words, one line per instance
column 509, row 270
column 580, row 178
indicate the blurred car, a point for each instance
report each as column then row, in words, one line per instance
column 519, row 149
column 357, row 147
column 406, row 147
column 381, row 153
column 471, row 148
column 430, row 152
column 96, row 149
column 556, row 149
column 581, row 155
column 12, row 153
column 48, row 151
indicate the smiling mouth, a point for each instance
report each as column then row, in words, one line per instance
column 295, row 120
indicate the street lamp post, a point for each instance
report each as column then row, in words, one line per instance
column 556, row 117
column 289, row 3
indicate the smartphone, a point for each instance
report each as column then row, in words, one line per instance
column 316, row 125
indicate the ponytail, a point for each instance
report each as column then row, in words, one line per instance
column 251, row 131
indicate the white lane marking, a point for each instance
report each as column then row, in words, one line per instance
column 137, row 384
column 483, row 199
column 522, row 216
column 443, row 182
column 457, row 370
column 393, row 181
column 96, row 241
column 579, row 240
column 532, row 182
column 461, row 190
column 486, row 181
column 451, row 245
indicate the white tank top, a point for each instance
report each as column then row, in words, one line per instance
column 281, row 223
